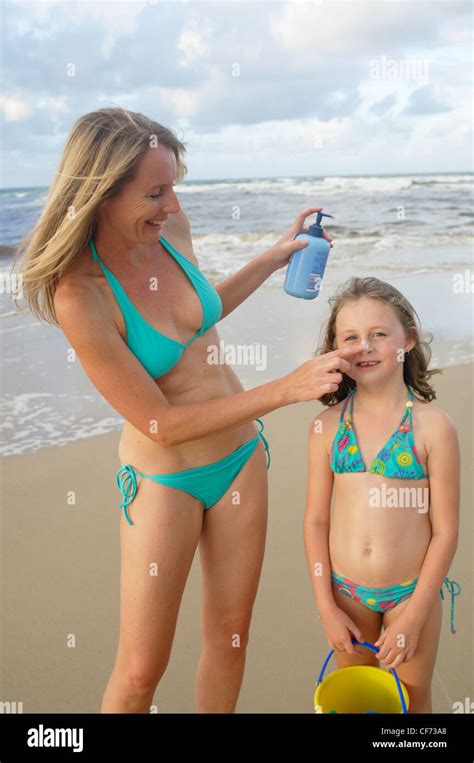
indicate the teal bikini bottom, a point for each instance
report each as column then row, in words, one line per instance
column 384, row 599
column 206, row 483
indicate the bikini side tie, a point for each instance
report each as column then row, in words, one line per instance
column 450, row 585
column 265, row 442
column 126, row 480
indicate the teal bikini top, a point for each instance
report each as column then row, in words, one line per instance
column 398, row 458
column 155, row 351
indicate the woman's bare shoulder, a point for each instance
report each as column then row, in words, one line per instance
column 79, row 282
column 177, row 231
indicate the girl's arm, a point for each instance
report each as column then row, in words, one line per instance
column 317, row 513
column 444, row 470
column 443, row 467
column 339, row 627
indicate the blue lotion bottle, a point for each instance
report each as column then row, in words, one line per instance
column 305, row 270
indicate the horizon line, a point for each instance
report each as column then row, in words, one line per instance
column 276, row 177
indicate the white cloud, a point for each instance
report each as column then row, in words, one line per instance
column 117, row 17
column 188, row 103
column 15, row 109
column 193, row 42
column 348, row 27
column 304, row 100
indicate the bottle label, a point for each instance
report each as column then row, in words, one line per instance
column 314, row 282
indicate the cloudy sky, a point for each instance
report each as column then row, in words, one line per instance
column 255, row 89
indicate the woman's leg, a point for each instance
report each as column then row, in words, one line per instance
column 417, row 673
column 231, row 550
column 156, row 556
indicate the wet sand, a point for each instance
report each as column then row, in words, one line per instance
column 61, row 579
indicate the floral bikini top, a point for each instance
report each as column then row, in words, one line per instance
column 398, row 457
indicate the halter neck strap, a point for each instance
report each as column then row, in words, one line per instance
column 350, row 400
column 95, row 255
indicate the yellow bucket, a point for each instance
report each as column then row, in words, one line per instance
column 360, row 689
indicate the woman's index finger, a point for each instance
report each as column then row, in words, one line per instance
column 346, row 352
column 310, row 211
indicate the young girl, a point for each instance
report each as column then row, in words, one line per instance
column 392, row 458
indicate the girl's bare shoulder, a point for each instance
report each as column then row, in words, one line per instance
column 326, row 421
column 431, row 420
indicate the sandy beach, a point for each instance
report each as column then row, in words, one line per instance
column 60, row 587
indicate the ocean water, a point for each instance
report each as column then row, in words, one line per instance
column 413, row 231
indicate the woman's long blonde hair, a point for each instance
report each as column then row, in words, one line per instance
column 415, row 366
column 102, row 152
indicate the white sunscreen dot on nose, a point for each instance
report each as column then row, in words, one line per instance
column 365, row 345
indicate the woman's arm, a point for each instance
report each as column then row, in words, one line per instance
column 127, row 386
column 235, row 289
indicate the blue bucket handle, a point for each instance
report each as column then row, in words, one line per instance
column 373, row 649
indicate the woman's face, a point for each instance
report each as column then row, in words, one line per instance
column 376, row 325
column 148, row 198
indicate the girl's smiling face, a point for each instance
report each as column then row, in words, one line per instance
column 376, row 325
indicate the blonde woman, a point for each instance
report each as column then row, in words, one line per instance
column 111, row 263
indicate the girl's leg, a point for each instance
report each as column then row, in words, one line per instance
column 417, row 673
column 231, row 549
column 369, row 622
column 156, row 556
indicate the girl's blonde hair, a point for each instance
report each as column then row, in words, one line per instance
column 415, row 366
column 101, row 154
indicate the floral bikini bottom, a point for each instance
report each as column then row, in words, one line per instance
column 384, row 599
